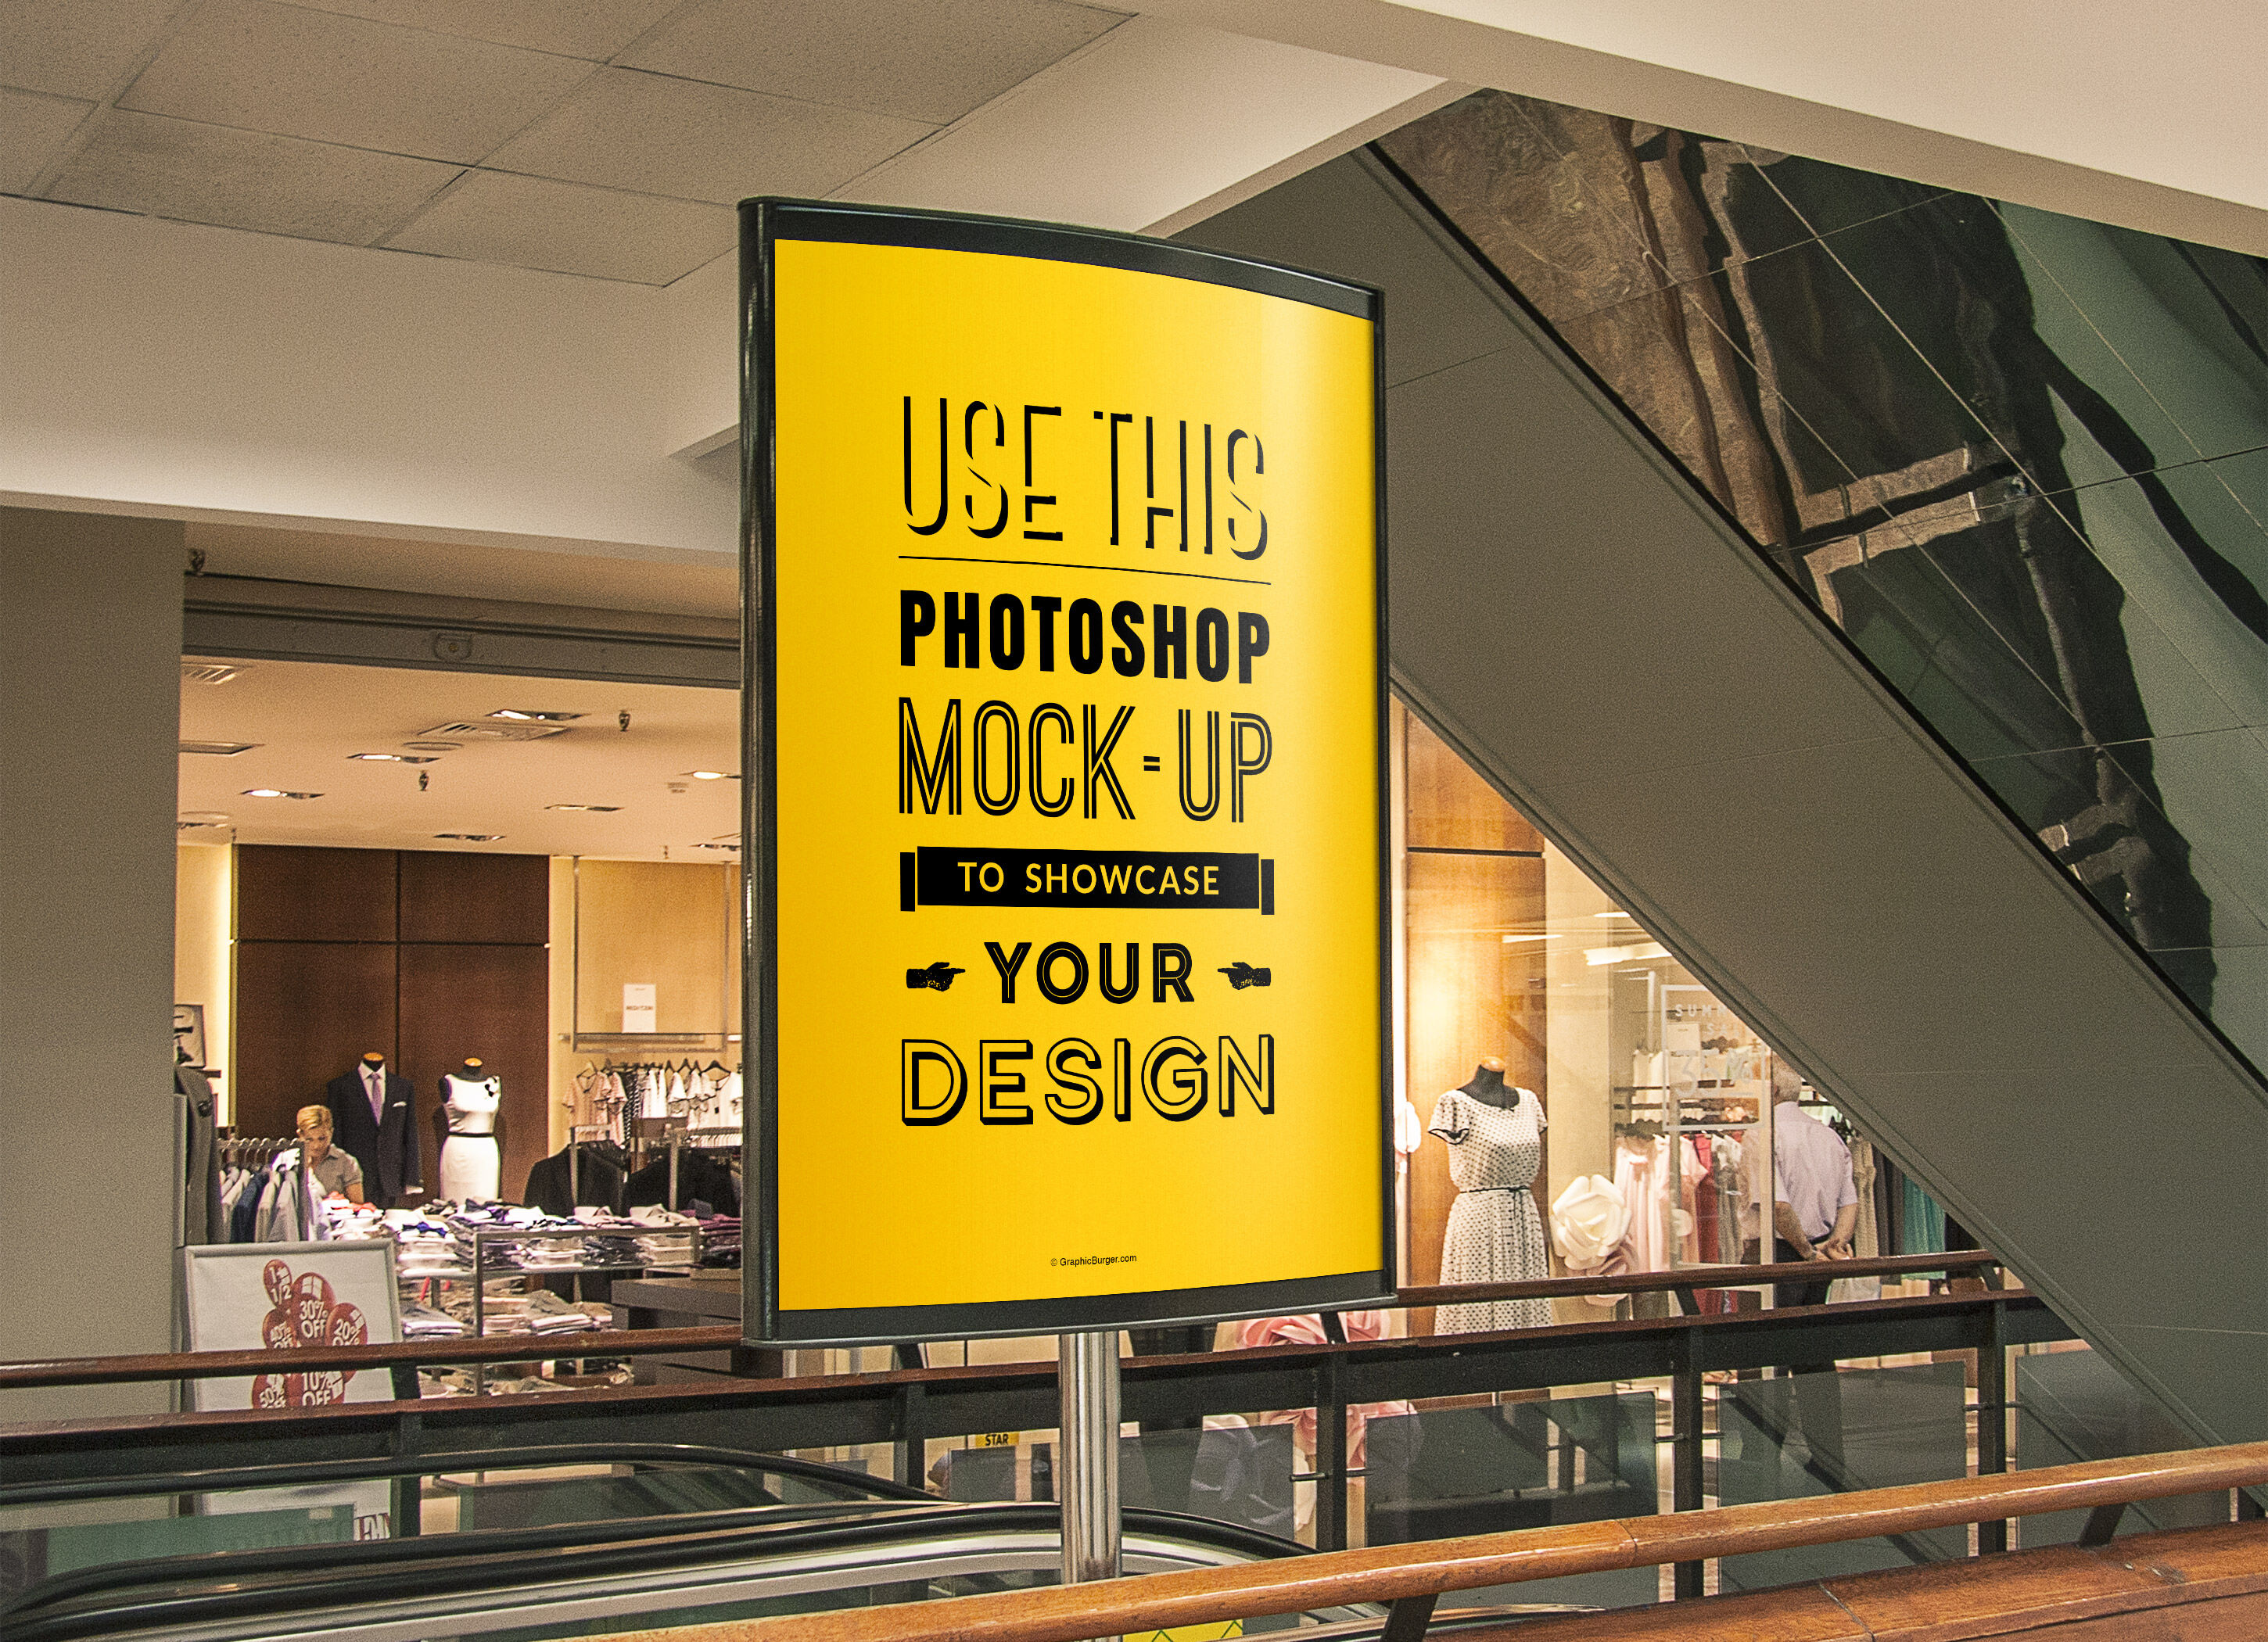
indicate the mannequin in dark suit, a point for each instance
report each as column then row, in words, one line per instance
column 385, row 1145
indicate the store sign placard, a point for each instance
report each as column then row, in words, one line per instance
column 1065, row 780
column 286, row 1298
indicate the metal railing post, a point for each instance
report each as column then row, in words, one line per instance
column 910, row 1454
column 1087, row 1469
column 1685, row 1436
column 1331, row 1479
column 1992, row 1417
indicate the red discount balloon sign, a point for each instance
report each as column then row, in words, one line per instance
column 304, row 1311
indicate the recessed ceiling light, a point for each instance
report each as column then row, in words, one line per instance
column 471, row 837
column 520, row 715
column 712, row 775
column 1599, row 957
column 592, row 809
column 1515, row 940
column 1617, row 913
column 276, row 793
column 717, row 846
column 219, row 749
column 390, row 758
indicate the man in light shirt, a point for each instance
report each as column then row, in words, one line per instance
column 1815, row 1215
column 1814, row 1201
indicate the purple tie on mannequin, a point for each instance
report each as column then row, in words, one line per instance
column 375, row 1082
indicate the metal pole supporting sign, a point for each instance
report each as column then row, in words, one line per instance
column 1086, row 1473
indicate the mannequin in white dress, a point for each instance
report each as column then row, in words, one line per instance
column 472, row 1166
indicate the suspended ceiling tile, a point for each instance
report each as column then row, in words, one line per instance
column 204, row 174
column 932, row 60
column 77, row 48
column 342, row 79
column 596, row 29
column 570, row 229
column 649, row 132
column 32, row 129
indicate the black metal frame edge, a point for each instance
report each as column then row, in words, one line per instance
column 762, row 222
column 913, row 229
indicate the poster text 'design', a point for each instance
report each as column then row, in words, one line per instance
column 1065, row 781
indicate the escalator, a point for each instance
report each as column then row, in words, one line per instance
column 620, row 1552
column 1868, row 644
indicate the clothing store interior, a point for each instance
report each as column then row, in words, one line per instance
column 458, row 966
column 456, row 959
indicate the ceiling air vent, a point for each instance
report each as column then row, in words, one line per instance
column 471, row 837
column 207, row 673
column 488, row 730
column 219, row 749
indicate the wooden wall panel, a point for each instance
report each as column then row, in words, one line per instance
column 1452, row 808
column 286, row 892
column 305, row 1012
column 1471, row 994
column 458, row 895
column 665, row 923
column 488, row 1000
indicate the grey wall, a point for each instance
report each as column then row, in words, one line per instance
column 90, row 688
column 1572, row 616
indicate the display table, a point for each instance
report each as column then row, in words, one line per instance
column 694, row 1302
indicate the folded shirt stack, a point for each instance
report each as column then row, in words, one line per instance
column 425, row 1323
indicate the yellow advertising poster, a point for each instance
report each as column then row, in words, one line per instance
column 1066, row 586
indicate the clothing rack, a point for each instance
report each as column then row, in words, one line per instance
column 576, row 1135
column 247, row 1148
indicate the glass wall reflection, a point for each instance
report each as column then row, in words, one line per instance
column 2020, row 458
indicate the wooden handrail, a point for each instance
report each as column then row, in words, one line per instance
column 499, row 1348
column 1388, row 1574
column 513, row 1348
column 1696, row 1278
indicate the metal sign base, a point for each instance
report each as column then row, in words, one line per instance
column 1087, row 1462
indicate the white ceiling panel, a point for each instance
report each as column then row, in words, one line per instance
column 659, row 134
column 32, row 129
column 570, row 229
column 596, row 29
column 308, row 719
column 342, row 79
column 932, row 60
column 204, row 174
column 77, row 48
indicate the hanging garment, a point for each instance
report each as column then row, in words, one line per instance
column 1867, row 1244
column 1691, row 1171
column 472, row 1169
column 1308, row 1330
column 699, row 1178
column 201, row 1160
column 1641, row 1172
column 1495, row 1235
column 1924, row 1221
column 1707, row 1242
column 244, row 1214
column 288, row 1211
column 598, row 1183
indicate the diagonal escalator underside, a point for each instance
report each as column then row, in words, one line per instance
column 1591, row 630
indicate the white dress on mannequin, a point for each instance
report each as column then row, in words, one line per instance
column 471, row 1169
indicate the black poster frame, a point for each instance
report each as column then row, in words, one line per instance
column 763, row 223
